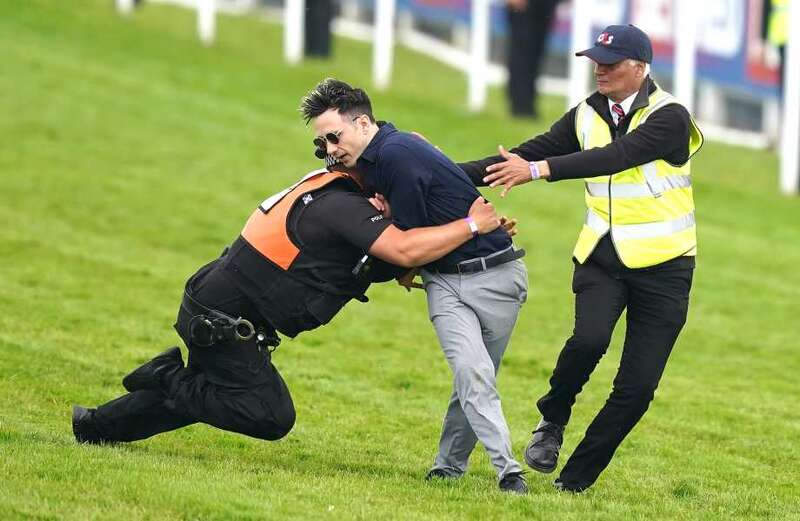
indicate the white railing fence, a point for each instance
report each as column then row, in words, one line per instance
column 481, row 73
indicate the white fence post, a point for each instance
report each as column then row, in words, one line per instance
column 125, row 7
column 383, row 43
column 293, row 30
column 206, row 21
column 581, row 39
column 685, row 38
column 790, row 136
column 479, row 55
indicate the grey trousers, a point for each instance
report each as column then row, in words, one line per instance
column 474, row 315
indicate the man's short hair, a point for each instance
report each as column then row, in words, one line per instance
column 643, row 64
column 331, row 93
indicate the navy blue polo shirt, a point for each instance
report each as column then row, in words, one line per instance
column 424, row 188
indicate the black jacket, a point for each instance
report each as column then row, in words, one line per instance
column 665, row 135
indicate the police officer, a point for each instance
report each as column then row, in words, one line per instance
column 302, row 255
column 631, row 142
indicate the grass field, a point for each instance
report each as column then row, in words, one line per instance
column 131, row 155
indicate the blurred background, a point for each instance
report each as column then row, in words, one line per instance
column 725, row 59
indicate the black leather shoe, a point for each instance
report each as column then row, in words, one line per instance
column 568, row 487
column 514, row 483
column 151, row 374
column 83, row 427
column 542, row 452
column 438, row 474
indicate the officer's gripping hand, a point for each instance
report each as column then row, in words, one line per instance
column 407, row 280
column 509, row 225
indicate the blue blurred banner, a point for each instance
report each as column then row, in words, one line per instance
column 444, row 11
column 732, row 52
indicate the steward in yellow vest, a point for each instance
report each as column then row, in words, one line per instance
column 647, row 210
column 630, row 143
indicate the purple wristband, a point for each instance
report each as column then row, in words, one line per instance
column 534, row 170
column 472, row 226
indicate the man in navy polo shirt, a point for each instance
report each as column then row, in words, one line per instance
column 474, row 293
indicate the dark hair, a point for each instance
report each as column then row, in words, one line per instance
column 331, row 93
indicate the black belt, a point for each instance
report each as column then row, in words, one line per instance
column 483, row 263
column 208, row 326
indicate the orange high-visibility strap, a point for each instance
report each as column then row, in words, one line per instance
column 267, row 233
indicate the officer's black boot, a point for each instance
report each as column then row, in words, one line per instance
column 83, row 426
column 155, row 374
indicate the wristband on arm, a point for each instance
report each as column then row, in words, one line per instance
column 534, row 171
column 472, row 226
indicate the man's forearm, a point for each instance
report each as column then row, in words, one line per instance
column 557, row 141
column 476, row 170
column 665, row 135
column 420, row 246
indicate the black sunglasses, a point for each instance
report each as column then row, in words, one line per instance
column 330, row 137
column 321, row 142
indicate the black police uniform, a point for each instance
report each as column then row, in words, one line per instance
column 233, row 384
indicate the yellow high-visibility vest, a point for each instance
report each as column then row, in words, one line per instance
column 778, row 28
column 648, row 209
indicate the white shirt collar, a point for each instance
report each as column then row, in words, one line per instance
column 626, row 105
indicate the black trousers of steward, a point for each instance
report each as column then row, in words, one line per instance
column 231, row 385
column 657, row 301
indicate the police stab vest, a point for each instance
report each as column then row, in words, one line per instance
column 648, row 209
column 270, row 265
column 267, row 230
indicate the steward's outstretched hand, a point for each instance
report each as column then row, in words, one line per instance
column 511, row 172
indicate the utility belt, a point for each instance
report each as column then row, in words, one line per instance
column 208, row 327
column 483, row 263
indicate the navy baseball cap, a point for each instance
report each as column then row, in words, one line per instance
column 618, row 42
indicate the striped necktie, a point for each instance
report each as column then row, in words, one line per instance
column 619, row 111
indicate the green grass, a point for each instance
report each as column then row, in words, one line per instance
column 131, row 155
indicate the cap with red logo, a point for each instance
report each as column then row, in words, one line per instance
column 618, row 42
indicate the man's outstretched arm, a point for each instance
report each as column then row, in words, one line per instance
column 420, row 246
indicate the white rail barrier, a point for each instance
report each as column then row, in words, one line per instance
column 576, row 85
column 383, row 43
column 579, row 70
column 479, row 56
column 294, row 22
column 790, row 135
column 125, row 7
column 207, row 21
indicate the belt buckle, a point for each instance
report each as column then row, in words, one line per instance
column 467, row 265
column 243, row 329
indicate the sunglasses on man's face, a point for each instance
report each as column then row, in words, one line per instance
column 321, row 142
column 330, row 137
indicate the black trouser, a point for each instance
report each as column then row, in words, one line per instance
column 231, row 385
column 527, row 41
column 657, row 301
column 319, row 14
